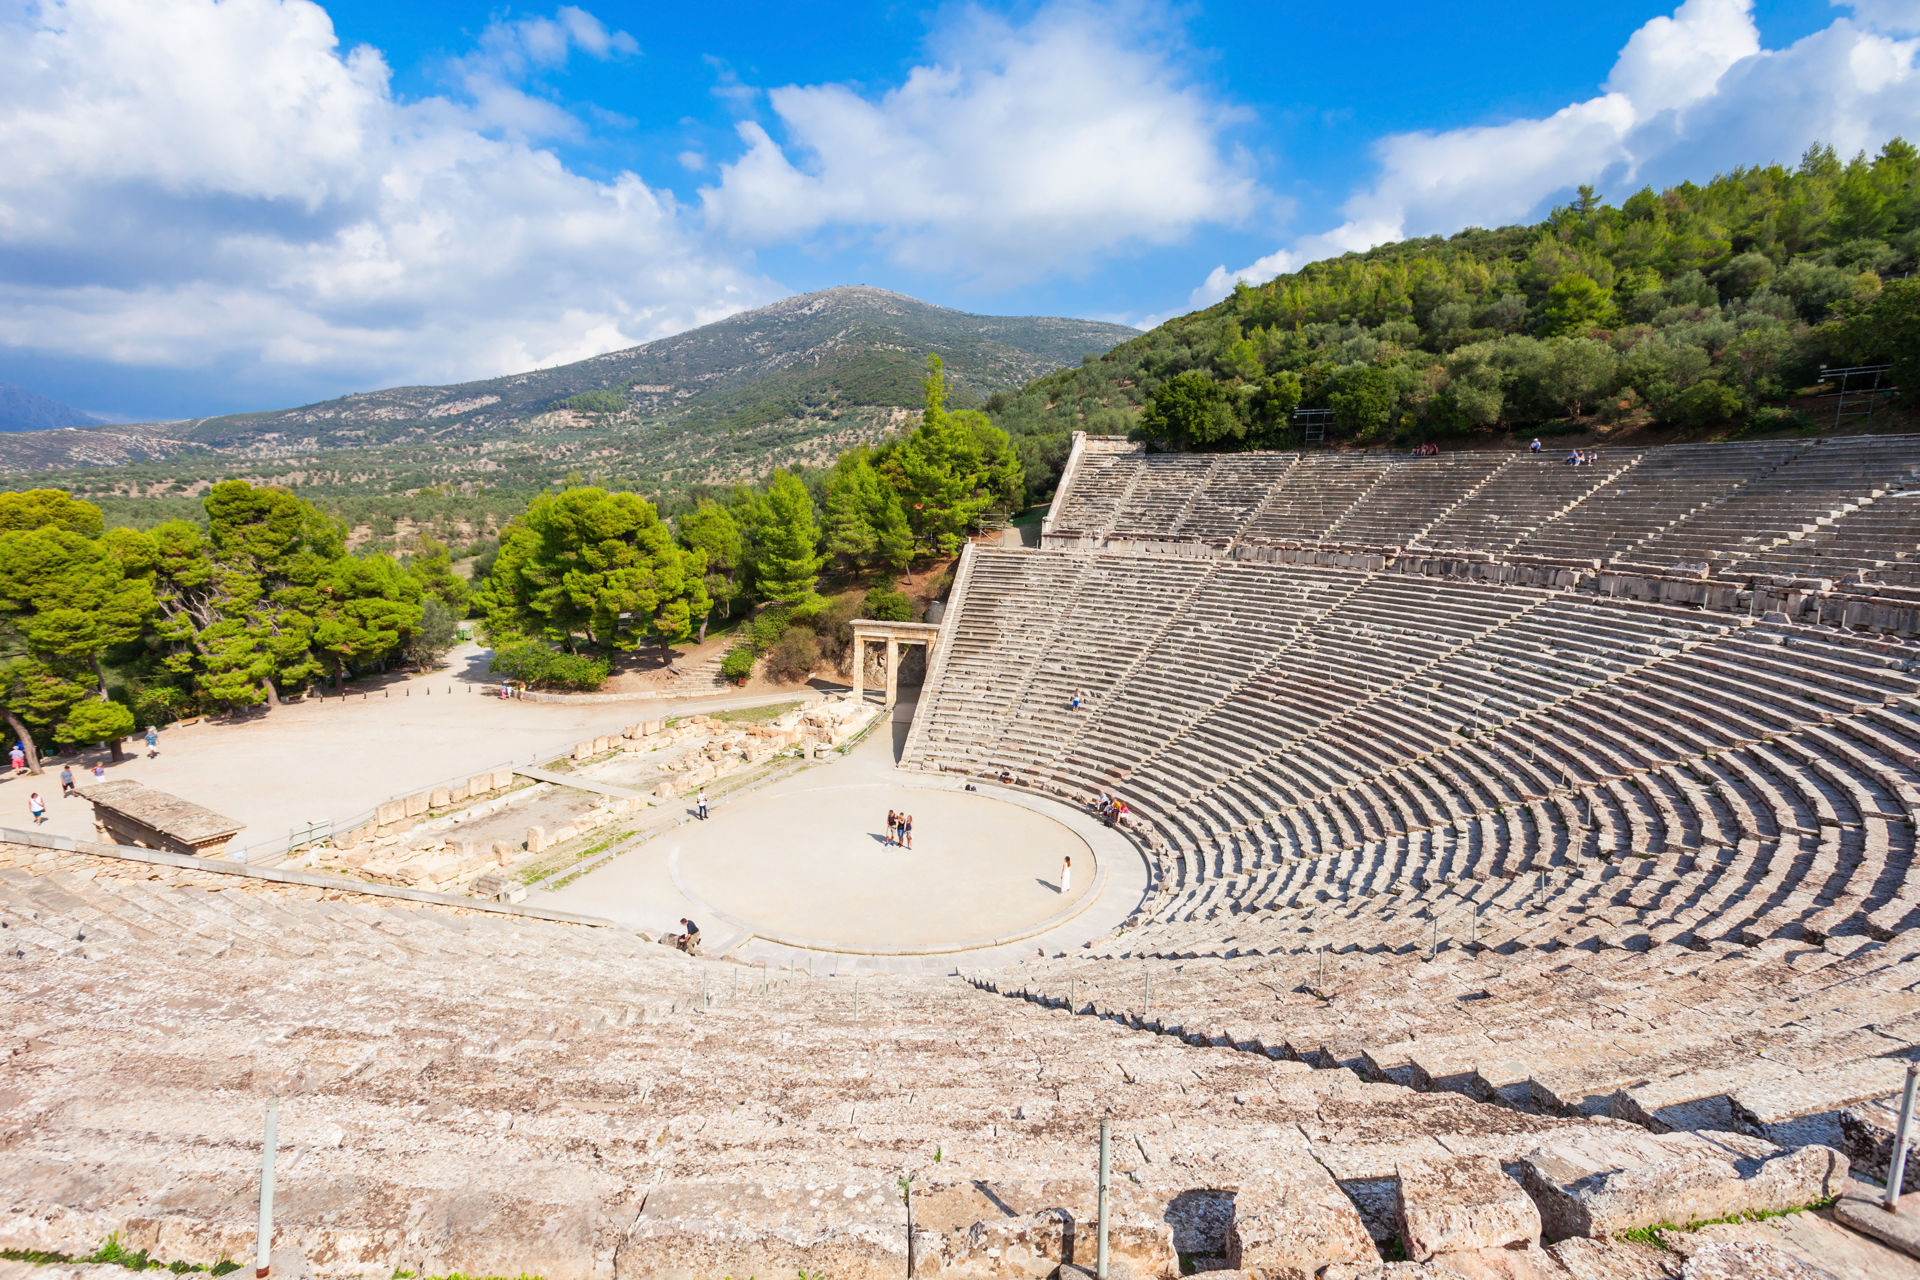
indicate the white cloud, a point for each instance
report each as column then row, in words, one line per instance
column 1898, row 16
column 1016, row 148
column 1690, row 95
column 201, row 184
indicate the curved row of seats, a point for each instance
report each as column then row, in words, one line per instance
column 1744, row 509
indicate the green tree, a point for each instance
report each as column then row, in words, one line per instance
column 370, row 609
column 585, row 563
column 951, row 469
column 1191, row 410
column 789, row 559
column 1577, row 371
column 712, row 530
column 1886, row 329
column 854, row 497
column 1363, row 401
column 49, row 509
column 65, row 600
column 273, row 549
column 431, row 564
column 1575, row 304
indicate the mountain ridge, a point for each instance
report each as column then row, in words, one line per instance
column 24, row 410
column 851, row 352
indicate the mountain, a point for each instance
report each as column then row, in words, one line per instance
column 795, row 381
column 23, row 410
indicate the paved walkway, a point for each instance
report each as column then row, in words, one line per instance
column 797, row 873
column 330, row 760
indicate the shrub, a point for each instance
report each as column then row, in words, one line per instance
column 1707, row 401
column 883, row 605
column 737, row 666
column 766, row 628
column 793, row 658
column 543, row 668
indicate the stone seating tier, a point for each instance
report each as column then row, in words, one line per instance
column 501, row 1096
column 1772, row 509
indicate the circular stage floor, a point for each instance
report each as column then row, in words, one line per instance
column 809, row 867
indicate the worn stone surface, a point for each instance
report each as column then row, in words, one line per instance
column 1601, row 1181
column 1451, row 1206
column 1749, row 1260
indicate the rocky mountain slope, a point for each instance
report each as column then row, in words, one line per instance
column 787, row 382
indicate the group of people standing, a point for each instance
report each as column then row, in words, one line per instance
column 900, row 829
column 36, row 807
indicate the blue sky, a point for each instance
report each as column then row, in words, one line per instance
column 215, row 205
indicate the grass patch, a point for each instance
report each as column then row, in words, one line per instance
column 547, row 866
column 113, row 1253
column 1650, row 1236
column 755, row 715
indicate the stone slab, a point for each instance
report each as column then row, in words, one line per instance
column 1458, row 1205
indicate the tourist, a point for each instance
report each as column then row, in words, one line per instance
column 1066, row 876
column 1573, row 458
column 38, row 808
column 153, row 742
column 688, row 941
column 893, row 825
column 19, row 758
column 1535, row 446
column 906, row 830
column 1074, row 705
column 701, row 799
column 66, row 780
column 99, row 770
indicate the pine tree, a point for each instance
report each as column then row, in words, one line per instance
column 789, row 562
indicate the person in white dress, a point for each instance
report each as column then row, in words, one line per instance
column 1066, row 876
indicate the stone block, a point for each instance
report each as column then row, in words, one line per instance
column 457, row 793
column 665, row 791
column 503, row 850
column 649, row 728
column 502, row 779
column 601, row 745
column 479, row 784
column 1456, row 1205
column 1293, row 1219
column 582, row 750
column 389, row 813
column 439, row 798
column 1604, row 1180
column 417, row 804
column 536, row 839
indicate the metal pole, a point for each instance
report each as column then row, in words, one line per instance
column 263, row 1247
column 1100, row 1232
column 1897, row 1163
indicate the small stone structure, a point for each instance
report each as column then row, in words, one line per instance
column 125, row 812
column 894, row 634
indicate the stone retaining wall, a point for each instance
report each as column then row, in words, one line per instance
column 116, row 862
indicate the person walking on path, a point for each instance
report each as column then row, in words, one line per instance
column 18, row 758
column 66, row 780
column 38, row 808
column 1066, row 876
column 99, row 770
column 701, row 799
column 153, row 741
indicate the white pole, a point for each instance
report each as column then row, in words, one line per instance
column 263, row 1248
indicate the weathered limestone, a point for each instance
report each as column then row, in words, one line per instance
column 894, row 634
column 1602, row 1181
column 1454, row 1206
column 126, row 812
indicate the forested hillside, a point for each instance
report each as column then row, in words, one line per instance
column 1696, row 307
